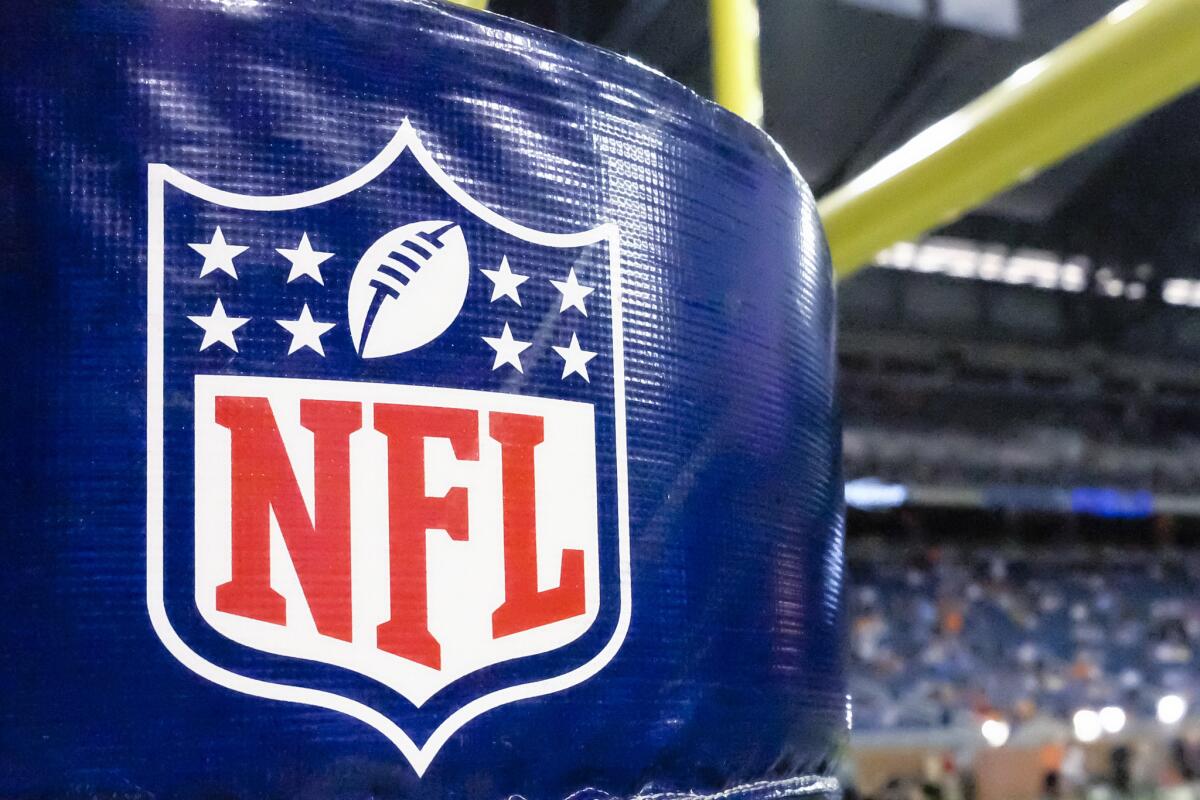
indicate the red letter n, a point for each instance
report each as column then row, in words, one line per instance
column 412, row 514
column 263, row 482
column 524, row 607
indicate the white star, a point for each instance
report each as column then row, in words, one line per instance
column 572, row 293
column 305, row 260
column 305, row 331
column 504, row 282
column 575, row 358
column 508, row 350
column 218, row 254
column 218, row 327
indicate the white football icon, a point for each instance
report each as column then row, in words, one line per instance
column 408, row 288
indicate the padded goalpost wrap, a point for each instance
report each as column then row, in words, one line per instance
column 404, row 401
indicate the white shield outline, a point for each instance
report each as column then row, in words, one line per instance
column 419, row 756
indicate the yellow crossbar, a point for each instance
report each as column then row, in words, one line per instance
column 1140, row 56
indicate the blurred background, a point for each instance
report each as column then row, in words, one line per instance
column 1021, row 401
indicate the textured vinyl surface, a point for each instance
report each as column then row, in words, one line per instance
column 728, row 678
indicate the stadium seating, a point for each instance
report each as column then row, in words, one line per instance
column 946, row 637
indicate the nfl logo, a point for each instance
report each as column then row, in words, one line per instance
column 386, row 464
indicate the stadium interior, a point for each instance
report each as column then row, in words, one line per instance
column 1020, row 403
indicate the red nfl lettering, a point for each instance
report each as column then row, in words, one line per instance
column 524, row 606
column 412, row 514
column 263, row 483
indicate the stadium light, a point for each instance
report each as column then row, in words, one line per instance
column 872, row 494
column 1112, row 719
column 995, row 732
column 965, row 258
column 1171, row 709
column 1087, row 725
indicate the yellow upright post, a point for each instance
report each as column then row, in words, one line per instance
column 1143, row 54
column 733, row 27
